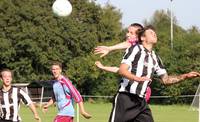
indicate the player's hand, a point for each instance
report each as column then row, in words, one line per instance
column 45, row 109
column 99, row 64
column 192, row 74
column 37, row 118
column 103, row 50
column 86, row 115
column 142, row 79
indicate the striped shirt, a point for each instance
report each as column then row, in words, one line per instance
column 10, row 101
column 141, row 63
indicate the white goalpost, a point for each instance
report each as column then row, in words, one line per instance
column 196, row 102
column 77, row 113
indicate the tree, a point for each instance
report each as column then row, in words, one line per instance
column 32, row 36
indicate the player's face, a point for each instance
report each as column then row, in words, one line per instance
column 151, row 36
column 56, row 71
column 6, row 78
column 131, row 34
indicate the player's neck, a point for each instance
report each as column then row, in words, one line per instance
column 59, row 77
column 149, row 47
column 6, row 88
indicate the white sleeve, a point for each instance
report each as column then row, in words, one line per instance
column 25, row 98
column 159, row 67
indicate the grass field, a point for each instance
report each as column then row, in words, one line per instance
column 100, row 113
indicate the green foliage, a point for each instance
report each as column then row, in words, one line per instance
column 31, row 37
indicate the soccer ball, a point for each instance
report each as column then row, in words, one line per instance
column 62, row 8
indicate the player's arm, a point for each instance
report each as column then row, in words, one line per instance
column 83, row 112
column 106, row 68
column 49, row 103
column 167, row 80
column 126, row 63
column 33, row 109
column 73, row 91
column 27, row 100
column 123, row 71
column 122, row 45
column 104, row 50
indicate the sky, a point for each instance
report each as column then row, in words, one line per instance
column 187, row 12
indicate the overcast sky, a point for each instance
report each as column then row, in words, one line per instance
column 187, row 12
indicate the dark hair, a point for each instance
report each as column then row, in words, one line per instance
column 56, row 63
column 5, row 70
column 139, row 26
column 141, row 32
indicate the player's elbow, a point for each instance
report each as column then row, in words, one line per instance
column 122, row 69
column 166, row 82
column 120, row 72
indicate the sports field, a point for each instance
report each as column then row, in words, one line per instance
column 100, row 113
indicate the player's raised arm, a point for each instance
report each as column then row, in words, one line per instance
column 106, row 68
column 104, row 50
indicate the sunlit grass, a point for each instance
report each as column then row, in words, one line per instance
column 101, row 111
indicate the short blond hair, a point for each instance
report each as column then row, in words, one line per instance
column 57, row 63
column 5, row 70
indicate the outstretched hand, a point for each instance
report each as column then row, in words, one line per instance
column 99, row 64
column 192, row 74
column 103, row 50
column 142, row 79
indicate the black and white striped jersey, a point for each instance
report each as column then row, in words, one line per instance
column 10, row 103
column 141, row 62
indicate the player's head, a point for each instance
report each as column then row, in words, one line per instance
column 132, row 31
column 56, row 69
column 137, row 25
column 6, row 76
column 147, row 35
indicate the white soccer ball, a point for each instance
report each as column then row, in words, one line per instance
column 62, row 8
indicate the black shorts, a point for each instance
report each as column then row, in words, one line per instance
column 5, row 120
column 1, row 120
column 130, row 108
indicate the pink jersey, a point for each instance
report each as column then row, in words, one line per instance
column 74, row 92
column 148, row 94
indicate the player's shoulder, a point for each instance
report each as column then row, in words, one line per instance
column 15, row 88
column 135, row 48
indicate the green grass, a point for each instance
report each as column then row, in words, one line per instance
column 100, row 113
